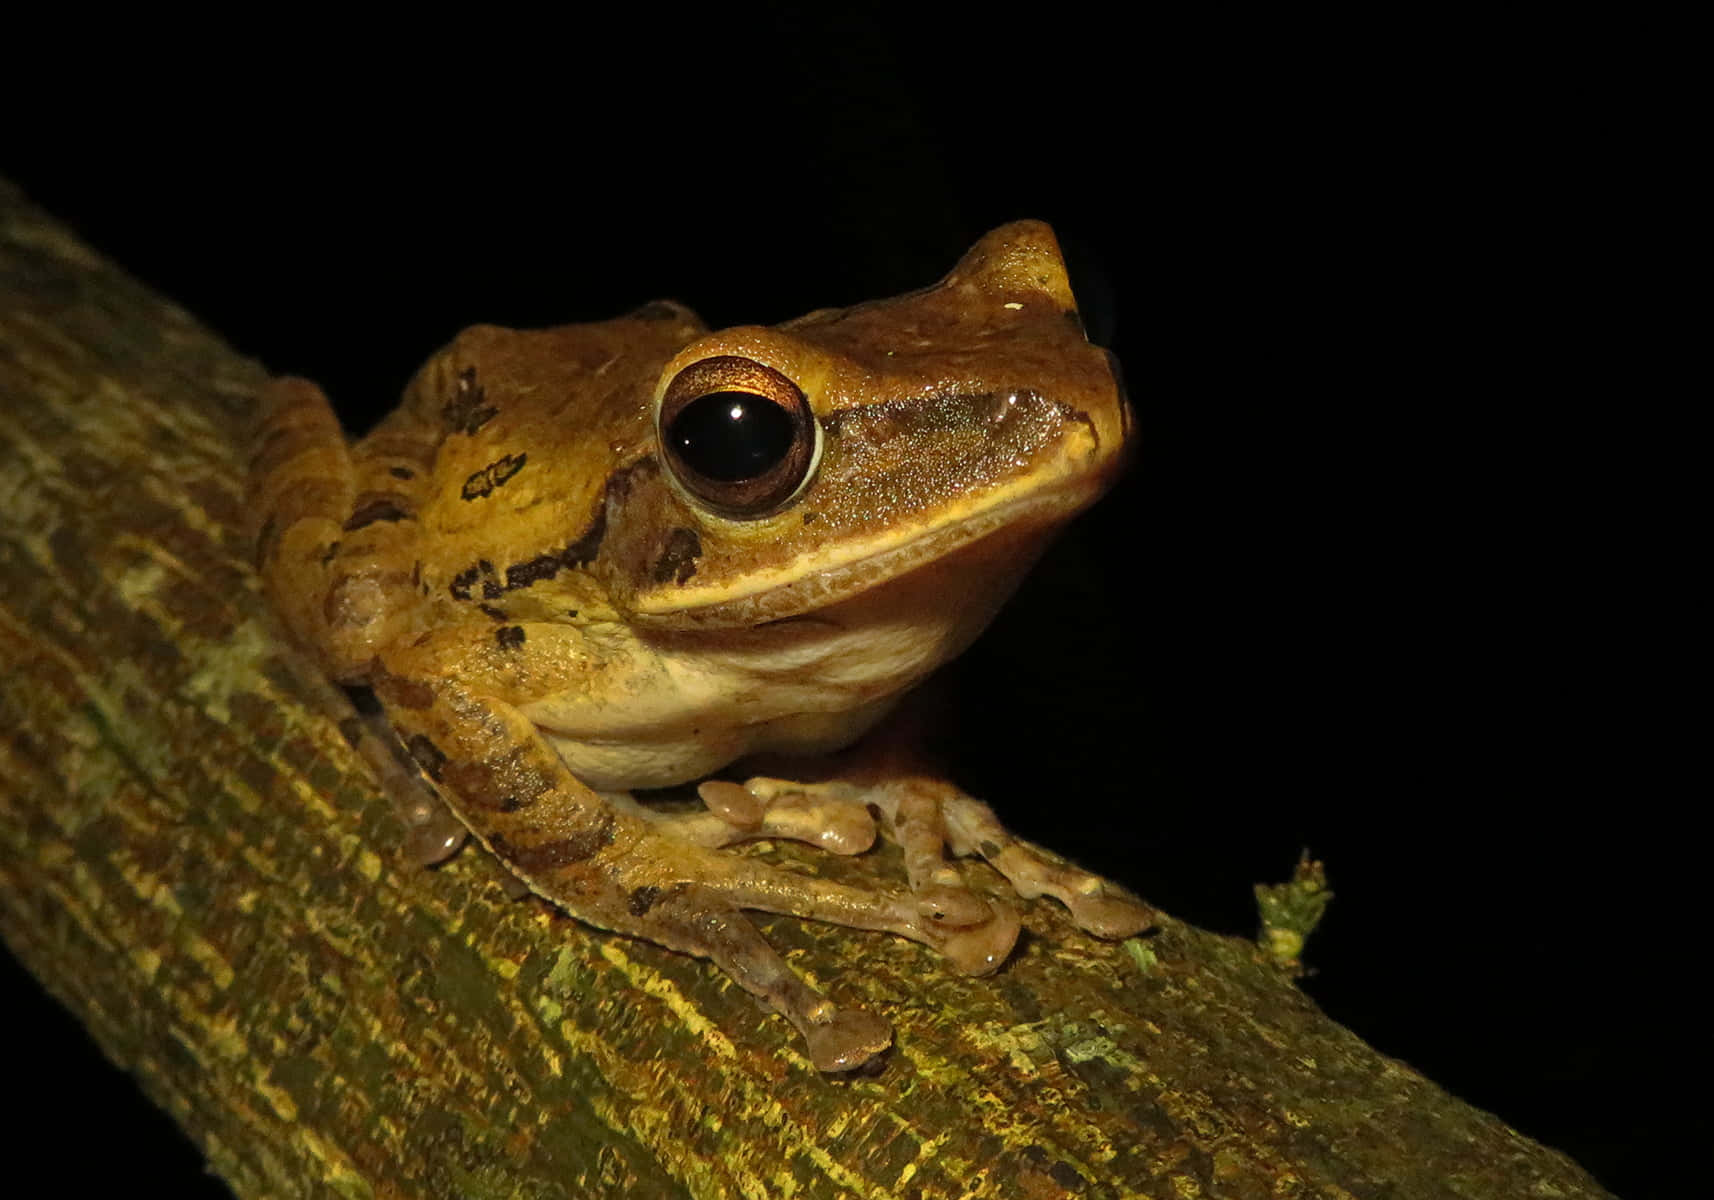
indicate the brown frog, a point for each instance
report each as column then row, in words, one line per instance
column 580, row 561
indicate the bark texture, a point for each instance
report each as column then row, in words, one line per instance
column 195, row 863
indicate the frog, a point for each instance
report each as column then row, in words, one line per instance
column 580, row 563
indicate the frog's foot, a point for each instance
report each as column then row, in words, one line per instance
column 1095, row 904
column 822, row 815
column 976, row 935
column 929, row 817
column 697, row 920
column 691, row 899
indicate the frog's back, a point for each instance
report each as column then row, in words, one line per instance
column 507, row 437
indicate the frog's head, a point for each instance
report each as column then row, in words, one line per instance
column 800, row 466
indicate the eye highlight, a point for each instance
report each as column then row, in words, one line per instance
column 737, row 435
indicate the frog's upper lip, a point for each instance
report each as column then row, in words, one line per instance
column 799, row 592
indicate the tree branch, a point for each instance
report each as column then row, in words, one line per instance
column 195, row 863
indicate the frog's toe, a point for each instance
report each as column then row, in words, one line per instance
column 952, row 908
column 819, row 814
column 980, row 949
column 733, row 803
column 432, row 833
column 850, row 1039
column 835, row 827
column 1109, row 916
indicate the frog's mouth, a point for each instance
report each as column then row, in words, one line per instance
column 1019, row 531
column 875, row 516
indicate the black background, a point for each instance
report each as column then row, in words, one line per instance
column 1369, row 587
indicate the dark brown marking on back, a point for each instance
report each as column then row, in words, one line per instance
column 428, row 756
column 492, row 613
column 378, row 506
column 678, row 561
column 466, row 412
column 521, row 575
column 641, row 900
column 401, row 473
column 464, row 583
column 584, row 549
column 351, row 729
column 509, row 637
column 269, row 443
column 546, row 566
column 495, row 474
column 265, row 539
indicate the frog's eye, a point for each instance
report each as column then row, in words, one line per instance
column 738, row 435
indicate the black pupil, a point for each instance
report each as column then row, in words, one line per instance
column 731, row 436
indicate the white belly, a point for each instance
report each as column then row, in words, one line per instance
column 638, row 762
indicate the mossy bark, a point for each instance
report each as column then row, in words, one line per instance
column 195, row 863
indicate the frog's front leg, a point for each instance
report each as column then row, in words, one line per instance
column 929, row 818
column 453, row 697
column 735, row 814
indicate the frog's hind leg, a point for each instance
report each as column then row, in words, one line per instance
column 335, row 524
column 698, row 920
column 306, row 494
column 301, row 490
column 691, row 899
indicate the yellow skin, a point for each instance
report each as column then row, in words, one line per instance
column 559, row 594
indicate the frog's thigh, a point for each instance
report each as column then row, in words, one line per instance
column 300, row 489
column 699, row 920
